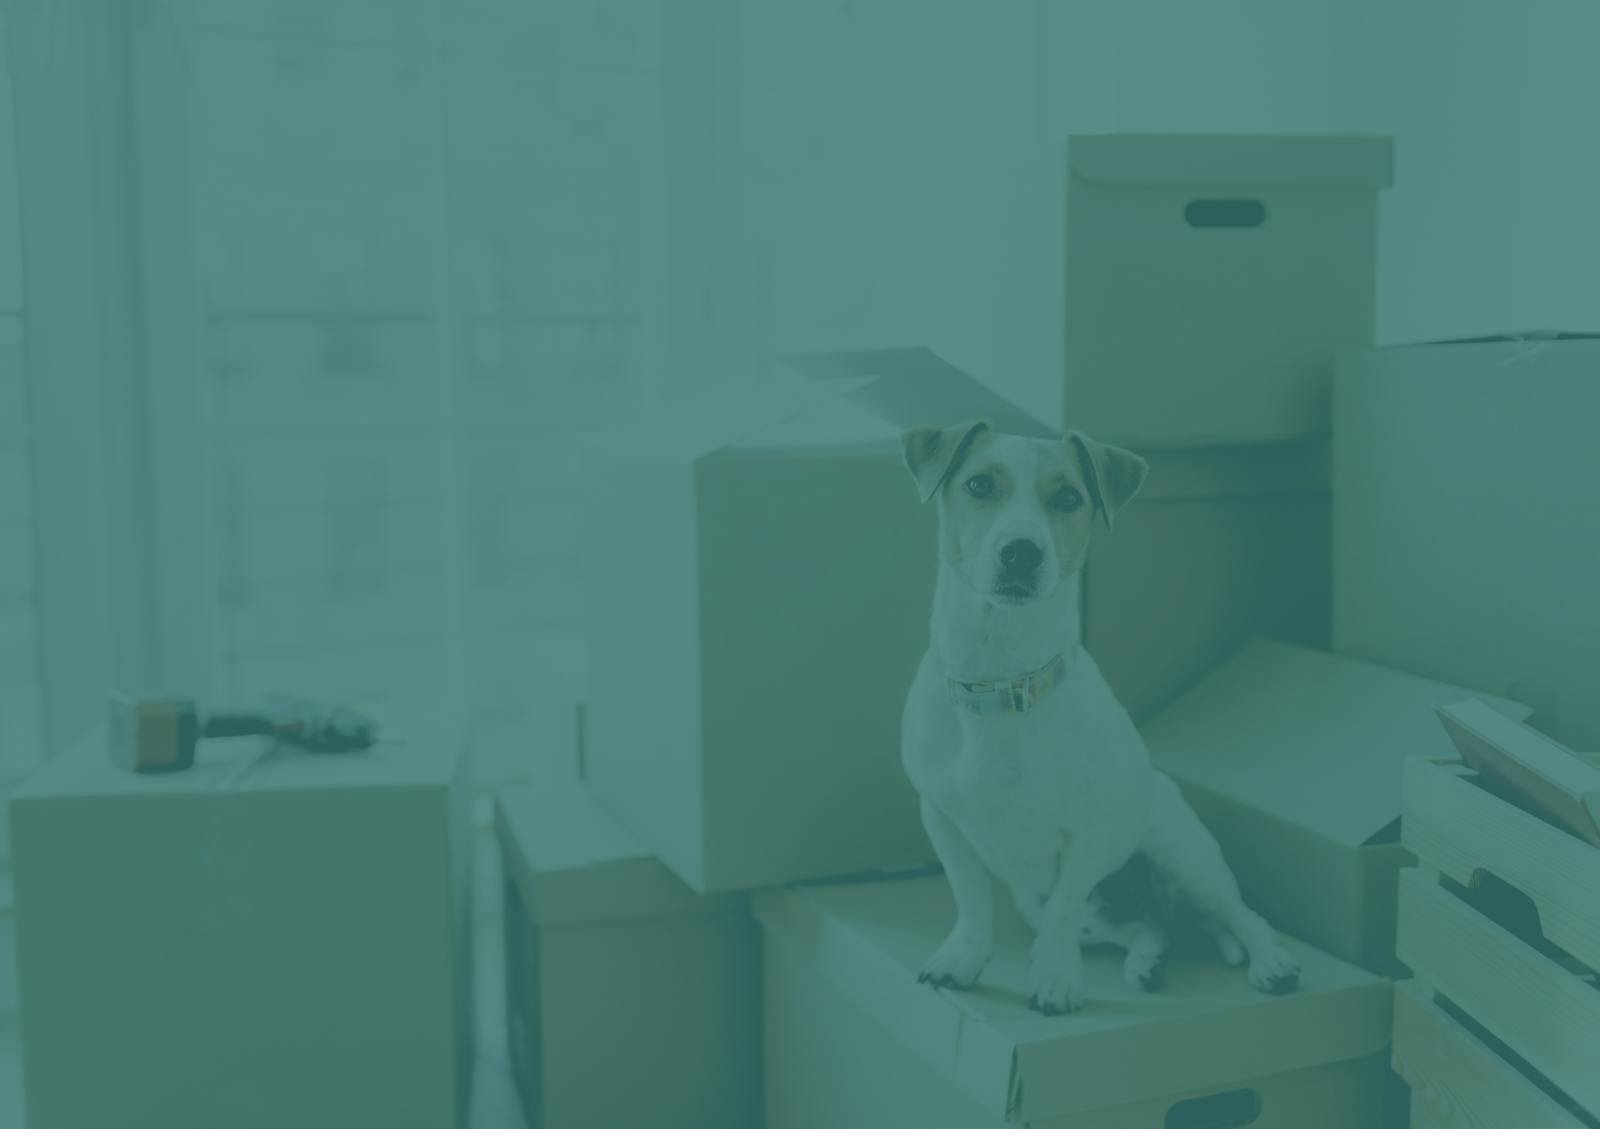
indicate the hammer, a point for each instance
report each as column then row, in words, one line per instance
column 160, row 734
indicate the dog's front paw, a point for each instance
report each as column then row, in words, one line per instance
column 1273, row 969
column 1056, row 980
column 957, row 962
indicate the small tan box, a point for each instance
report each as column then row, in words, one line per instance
column 853, row 1039
column 1294, row 758
column 631, row 1000
column 1501, row 925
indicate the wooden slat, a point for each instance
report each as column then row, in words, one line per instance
column 1456, row 1081
column 1463, row 830
column 1540, row 1010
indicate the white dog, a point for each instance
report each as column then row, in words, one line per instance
column 1029, row 769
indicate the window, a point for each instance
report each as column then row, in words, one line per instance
column 424, row 274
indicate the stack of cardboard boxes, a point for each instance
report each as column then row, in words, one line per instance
column 760, row 580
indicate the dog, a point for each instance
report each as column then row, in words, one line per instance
column 1028, row 769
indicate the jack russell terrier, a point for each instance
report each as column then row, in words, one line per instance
column 1029, row 769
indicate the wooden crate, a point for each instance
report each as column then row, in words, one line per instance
column 1458, row 1080
column 1500, row 923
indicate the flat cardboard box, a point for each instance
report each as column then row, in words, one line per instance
column 1191, row 289
column 1294, row 759
column 1222, row 544
column 631, row 1000
column 761, row 576
column 853, row 1039
column 266, row 939
column 1465, row 544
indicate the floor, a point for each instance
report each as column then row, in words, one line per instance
column 495, row 1104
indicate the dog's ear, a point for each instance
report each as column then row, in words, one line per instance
column 1113, row 474
column 933, row 454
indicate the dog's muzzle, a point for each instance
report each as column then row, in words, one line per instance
column 1019, row 569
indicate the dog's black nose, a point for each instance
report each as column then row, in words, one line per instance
column 1020, row 557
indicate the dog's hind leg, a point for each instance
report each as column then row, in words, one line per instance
column 1145, row 942
column 1145, row 966
column 1180, row 844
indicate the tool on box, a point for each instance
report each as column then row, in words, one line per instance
column 160, row 734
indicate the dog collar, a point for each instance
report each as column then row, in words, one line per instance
column 1019, row 695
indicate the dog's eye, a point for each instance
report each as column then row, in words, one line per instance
column 981, row 486
column 1066, row 499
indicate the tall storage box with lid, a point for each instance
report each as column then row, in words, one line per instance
column 1192, row 290
column 1185, row 296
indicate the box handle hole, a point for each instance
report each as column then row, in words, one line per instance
column 1225, row 213
column 1230, row 1109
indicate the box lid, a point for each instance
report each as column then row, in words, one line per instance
column 1205, row 1030
column 1518, row 337
column 721, row 414
column 1501, row 351
column 1312, row 737
column 421, row 752
column 575, row 864
column 1234, row 160
column 826, row 402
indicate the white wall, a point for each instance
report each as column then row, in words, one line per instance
column 1211, row 66
column 1493, row 222
column 881, row 137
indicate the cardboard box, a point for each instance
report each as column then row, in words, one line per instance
column 1294, row 759
column 853, row 1039
column 259, row 941
column 1463, row 479
column 1193, row 289
column 1222, row 545
column 631, row 1000
column 760, row 583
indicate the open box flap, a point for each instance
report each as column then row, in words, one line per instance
column 915, row 387
column 1550, row 778
column 1311, row 737
column 722, row 415
column 1243, row 161
column 840, row 399
column 1205, row 1030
